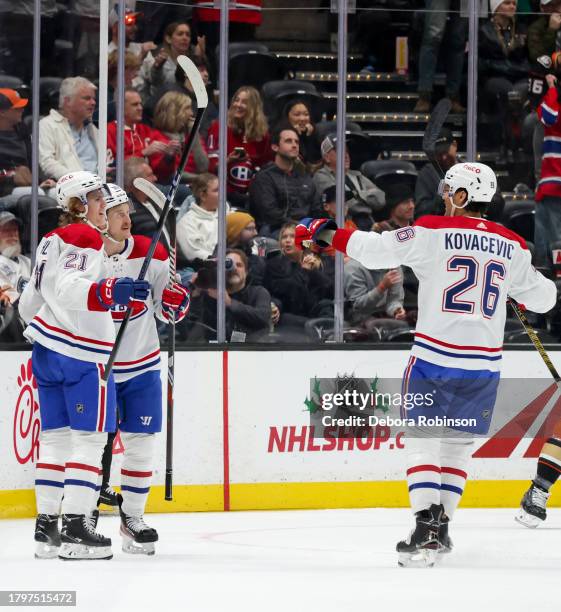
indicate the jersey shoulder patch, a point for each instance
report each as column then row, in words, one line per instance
column 79, row 235
column 141, row 246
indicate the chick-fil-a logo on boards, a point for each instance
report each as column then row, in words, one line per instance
column 27, row 423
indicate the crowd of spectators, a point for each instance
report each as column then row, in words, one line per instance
column 277, row 172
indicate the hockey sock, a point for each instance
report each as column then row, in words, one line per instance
column 49, row 475
column 423, row 470
column 549, row 464
column 83, row 468
column 455, row 454
column 107, row 459
column 136, row 471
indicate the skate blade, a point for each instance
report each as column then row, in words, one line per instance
column 132, row 547
column 423, row 557
column 81, row 552
column 526, row 519
column 46, row 551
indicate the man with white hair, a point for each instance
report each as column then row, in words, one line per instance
column 67, row 136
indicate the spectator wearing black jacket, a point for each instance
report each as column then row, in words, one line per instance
column 15, row 144
column 281, row 191
column 297, row 282
column 248, row 308
column 427, row 200
column 503, row 63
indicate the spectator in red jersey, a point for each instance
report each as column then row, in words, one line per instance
column 140, row 139
column 548, row 192
column 173, row 117
column 248, row 147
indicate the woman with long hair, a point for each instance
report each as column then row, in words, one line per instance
column 173, row 117
column 158, row 68
column 248, row 146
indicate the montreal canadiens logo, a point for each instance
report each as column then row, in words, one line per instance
column 118, row 311
column 27, row 423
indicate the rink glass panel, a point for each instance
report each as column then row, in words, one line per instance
column 382, row 91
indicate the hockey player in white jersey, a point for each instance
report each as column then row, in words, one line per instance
column 467, row 267
column 137, row 365
column 67, row 305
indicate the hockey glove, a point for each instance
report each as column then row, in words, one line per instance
column 175, row 302
column 111, row 291
column 308, row 230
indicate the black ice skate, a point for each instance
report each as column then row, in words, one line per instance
column 421, row 547
column 108, row 496
column 80, row 540
column 138, row 538
column 532, row 507
column 47, row 536
column 445, row 544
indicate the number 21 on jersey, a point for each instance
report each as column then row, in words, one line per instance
column 482, row 286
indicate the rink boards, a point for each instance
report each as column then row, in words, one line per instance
column 243, row 437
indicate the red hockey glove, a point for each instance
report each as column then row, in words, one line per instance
column 308, row 230
column 175, row 302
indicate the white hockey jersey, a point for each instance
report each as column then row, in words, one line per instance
column 139, row 351
column 14, row 273
column 59, row 303
column 467, row 267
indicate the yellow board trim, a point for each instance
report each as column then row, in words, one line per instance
column 381, row 494
column 298, row 495
column 186, row 498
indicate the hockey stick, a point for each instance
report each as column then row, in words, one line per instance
column 535, row 340
column 171, row 362
column 196, row 80
column 432, row 132
column 152, row 192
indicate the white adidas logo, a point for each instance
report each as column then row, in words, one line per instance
column 481, row 225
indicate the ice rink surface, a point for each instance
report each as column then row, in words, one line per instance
column 296, row 561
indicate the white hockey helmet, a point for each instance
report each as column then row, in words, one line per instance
column 478, row 180
column 76, row 185
column 114, row 196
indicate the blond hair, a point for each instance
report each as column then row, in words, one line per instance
column 75, row 208
column 254, row 126
column 170, row 114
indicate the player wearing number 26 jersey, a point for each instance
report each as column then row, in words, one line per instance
column 467, row 267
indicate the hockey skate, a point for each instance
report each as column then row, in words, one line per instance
column 421, row 547
column 47, row 536
column 532, row 507
column 108, row 496
column 445, row 544
column 138, row 538
column 80, row 541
